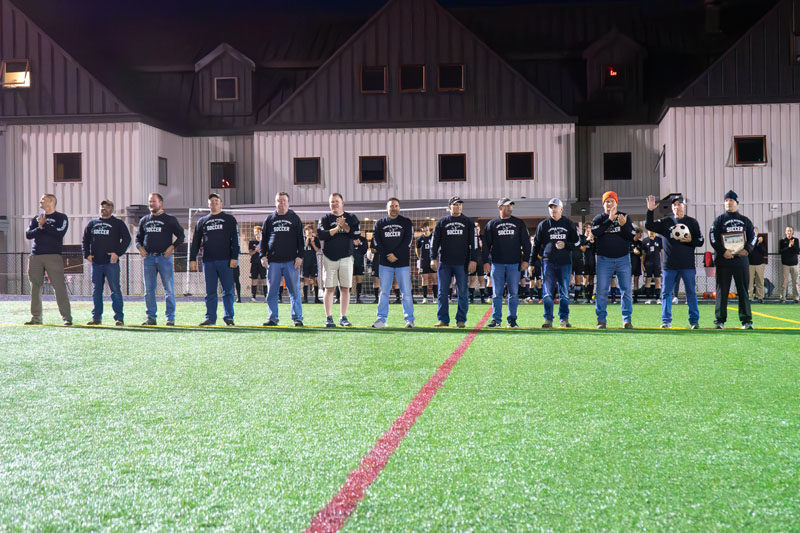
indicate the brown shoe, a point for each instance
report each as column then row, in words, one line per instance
column 627, row 325
column 93, row 323
column 461, row 324
column 441, row 324
column 601, row 325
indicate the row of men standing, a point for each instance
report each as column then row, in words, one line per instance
column 454, row 248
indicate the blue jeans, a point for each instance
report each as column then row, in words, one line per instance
column 443, row 275
column 218, row 272
column 554, row 274
column 161, row 266
column 287, row 271
column 502, row 276
column 671, row 278
column 606, row 267
column 100, row 274
column 403, row 275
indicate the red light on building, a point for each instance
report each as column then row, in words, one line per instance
column 225, row 183
column 612, row 72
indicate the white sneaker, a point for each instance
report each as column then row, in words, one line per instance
column 675, row 300
column 379, row 324
column 424, row 301
column 252, row 299
column 409, row 324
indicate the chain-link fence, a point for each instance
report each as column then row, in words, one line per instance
column 14, row 276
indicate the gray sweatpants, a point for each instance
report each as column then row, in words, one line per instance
column 53, row 264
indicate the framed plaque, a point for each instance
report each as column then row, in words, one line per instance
column 733, row 241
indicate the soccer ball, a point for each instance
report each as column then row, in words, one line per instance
column 680, row 232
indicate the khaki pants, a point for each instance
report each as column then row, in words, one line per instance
column 757, row 281
column 789, row 272
column 53, row 264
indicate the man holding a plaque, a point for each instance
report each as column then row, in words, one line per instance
column 733, row 238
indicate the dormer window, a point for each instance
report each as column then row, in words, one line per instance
column 614, row 77
column 15, row 73
column 226, row 89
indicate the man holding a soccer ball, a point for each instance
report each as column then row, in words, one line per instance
column 681, row 236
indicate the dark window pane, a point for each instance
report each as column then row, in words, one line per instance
column 452, row 167
column 162, row 170
column 306, row 170
column 223, row 175
column 750, row 150
column 373, row 79
column 519, row 166
column 617, row 166
column 373, row 169
column 412, row 78
column 67, row 167
column 451, row 77
column 226, row 88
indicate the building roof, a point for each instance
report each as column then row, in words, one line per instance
column 148, row 61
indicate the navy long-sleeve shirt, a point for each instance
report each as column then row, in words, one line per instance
column 424, row 247
column 677, row 255
column 394, row 236
column 339, row 245
column 155, row 233
column 454, row 241
column 50, row 238
column 731, row 223
column 219, row 237
column 104, row 236
column 507, row 241
column 759, row 254
column 282, row 238
column 548, row 233
column 610, row 239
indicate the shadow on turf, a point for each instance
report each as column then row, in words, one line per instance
column 393, row 330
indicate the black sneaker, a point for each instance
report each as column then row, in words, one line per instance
column 627, row 325
column 149, row 322
column 170, row 322
column 719, row 325
column 329, row 323
column 694, row 325
column 206, row 323
column 512, row 323
column 344, row 322
column 493, row 324
column 298, row 323
column 270, row 323
column 747, row 325
column 33, row 322
column 119, row 323
column 228, row 321
column 67, row 322
column 601, row 325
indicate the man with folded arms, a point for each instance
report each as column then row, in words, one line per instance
column 105, row 239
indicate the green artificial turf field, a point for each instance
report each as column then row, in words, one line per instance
column 255, row 428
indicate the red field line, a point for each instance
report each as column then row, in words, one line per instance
column 333, row 516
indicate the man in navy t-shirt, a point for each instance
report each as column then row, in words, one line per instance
column 105, row 239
